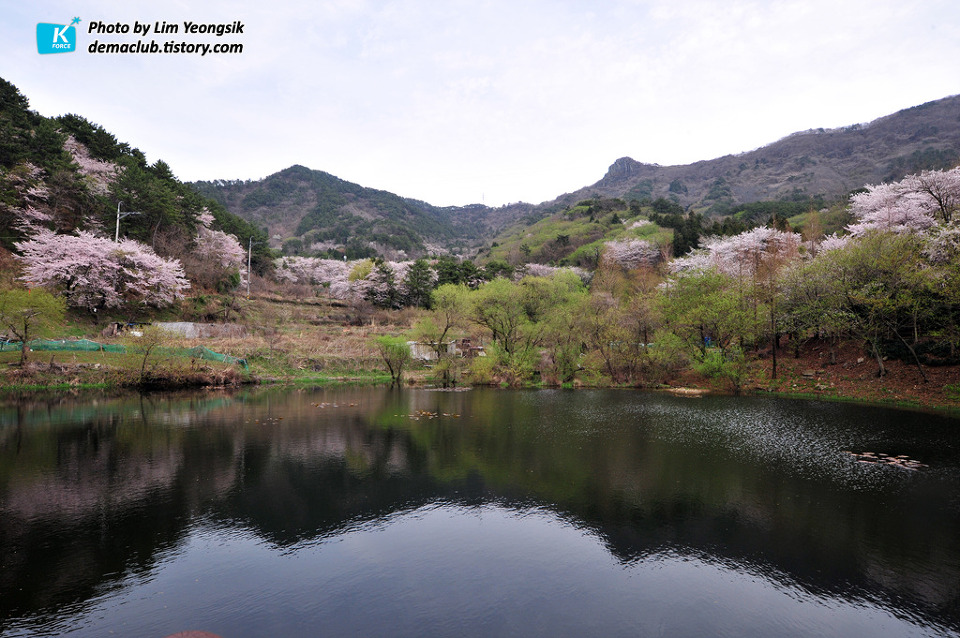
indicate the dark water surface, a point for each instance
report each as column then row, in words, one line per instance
column 371, row 512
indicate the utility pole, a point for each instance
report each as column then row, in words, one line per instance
column 116, row 237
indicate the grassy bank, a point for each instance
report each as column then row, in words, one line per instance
column 318, row 342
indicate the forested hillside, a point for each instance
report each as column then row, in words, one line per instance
column 312, row 213
column 633, row 290
column 818, row 164
column 89, row 215
column 309, row 212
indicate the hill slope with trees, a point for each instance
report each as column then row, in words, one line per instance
column 87, row 215
column 814, row 164
column 312, row 213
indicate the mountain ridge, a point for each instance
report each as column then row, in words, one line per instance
column 815, row 164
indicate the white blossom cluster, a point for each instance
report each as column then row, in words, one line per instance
column 95, row 272
column 101, row 174
column 915, row 204
column 33, row 212
column 740, row 255
column 631, row 253
column 335, row 275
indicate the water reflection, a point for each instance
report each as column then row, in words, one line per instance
column 461, row 510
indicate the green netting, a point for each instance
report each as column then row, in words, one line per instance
column 85, row 345
column 199, row 352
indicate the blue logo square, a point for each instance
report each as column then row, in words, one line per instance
column 56, row 38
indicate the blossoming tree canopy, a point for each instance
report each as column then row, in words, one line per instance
column 94, row 272
column 740, row 255
column 915, row 204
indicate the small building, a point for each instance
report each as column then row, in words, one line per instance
column 427, row 351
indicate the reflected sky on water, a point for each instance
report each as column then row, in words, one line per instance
column 383, row 512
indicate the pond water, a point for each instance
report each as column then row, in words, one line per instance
column 376, row 512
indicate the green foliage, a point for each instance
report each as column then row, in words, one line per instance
column 418, row 283
column 361, row 270
column 395, row 354
column 574, row 236
column 728, row 367
column 29, row 314
column 686, row 230
column 453, row 271
column 483, row 370
column 101, row 143
column 531, row 324
column 878, row 288
column 709, row 308
column 26, row 136
column 144, row 342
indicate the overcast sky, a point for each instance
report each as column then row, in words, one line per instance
column 494, row 101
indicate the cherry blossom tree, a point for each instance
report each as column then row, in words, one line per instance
column 100, row 174
column 891, row 207
column 742, row 255
column 94, row 272
column 31, row 212
column 631, row 253
column 217, row 256
column 940, row 189
column 833, row 242
column 914, row 204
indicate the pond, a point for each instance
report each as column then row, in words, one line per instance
column 376, row 512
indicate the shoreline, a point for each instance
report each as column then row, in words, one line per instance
column 692, row 390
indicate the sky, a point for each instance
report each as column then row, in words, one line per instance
column 486, row 101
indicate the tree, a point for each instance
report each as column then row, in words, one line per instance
column 631, row 253
column 705, row 308
column 396, row 355
column 220, row 255
column 448, row 314
column 498, row 305
column 28, row 314
column 878, row 284
column 144, row 342
column 382, row 290
column 420, row 280
column 94, row 272
column 940, row 187
column 890, row 207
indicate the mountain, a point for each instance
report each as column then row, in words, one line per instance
column 312, row 211
column 819, row 163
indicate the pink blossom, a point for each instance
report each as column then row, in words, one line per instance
column 833, row 242
column 740, row 255
column 101, row 174
column 205, row 218
column 33, row 212
column 94, row 272
column 631, row 253
column 215, row 246
column 941, row 189
column 943, row 246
